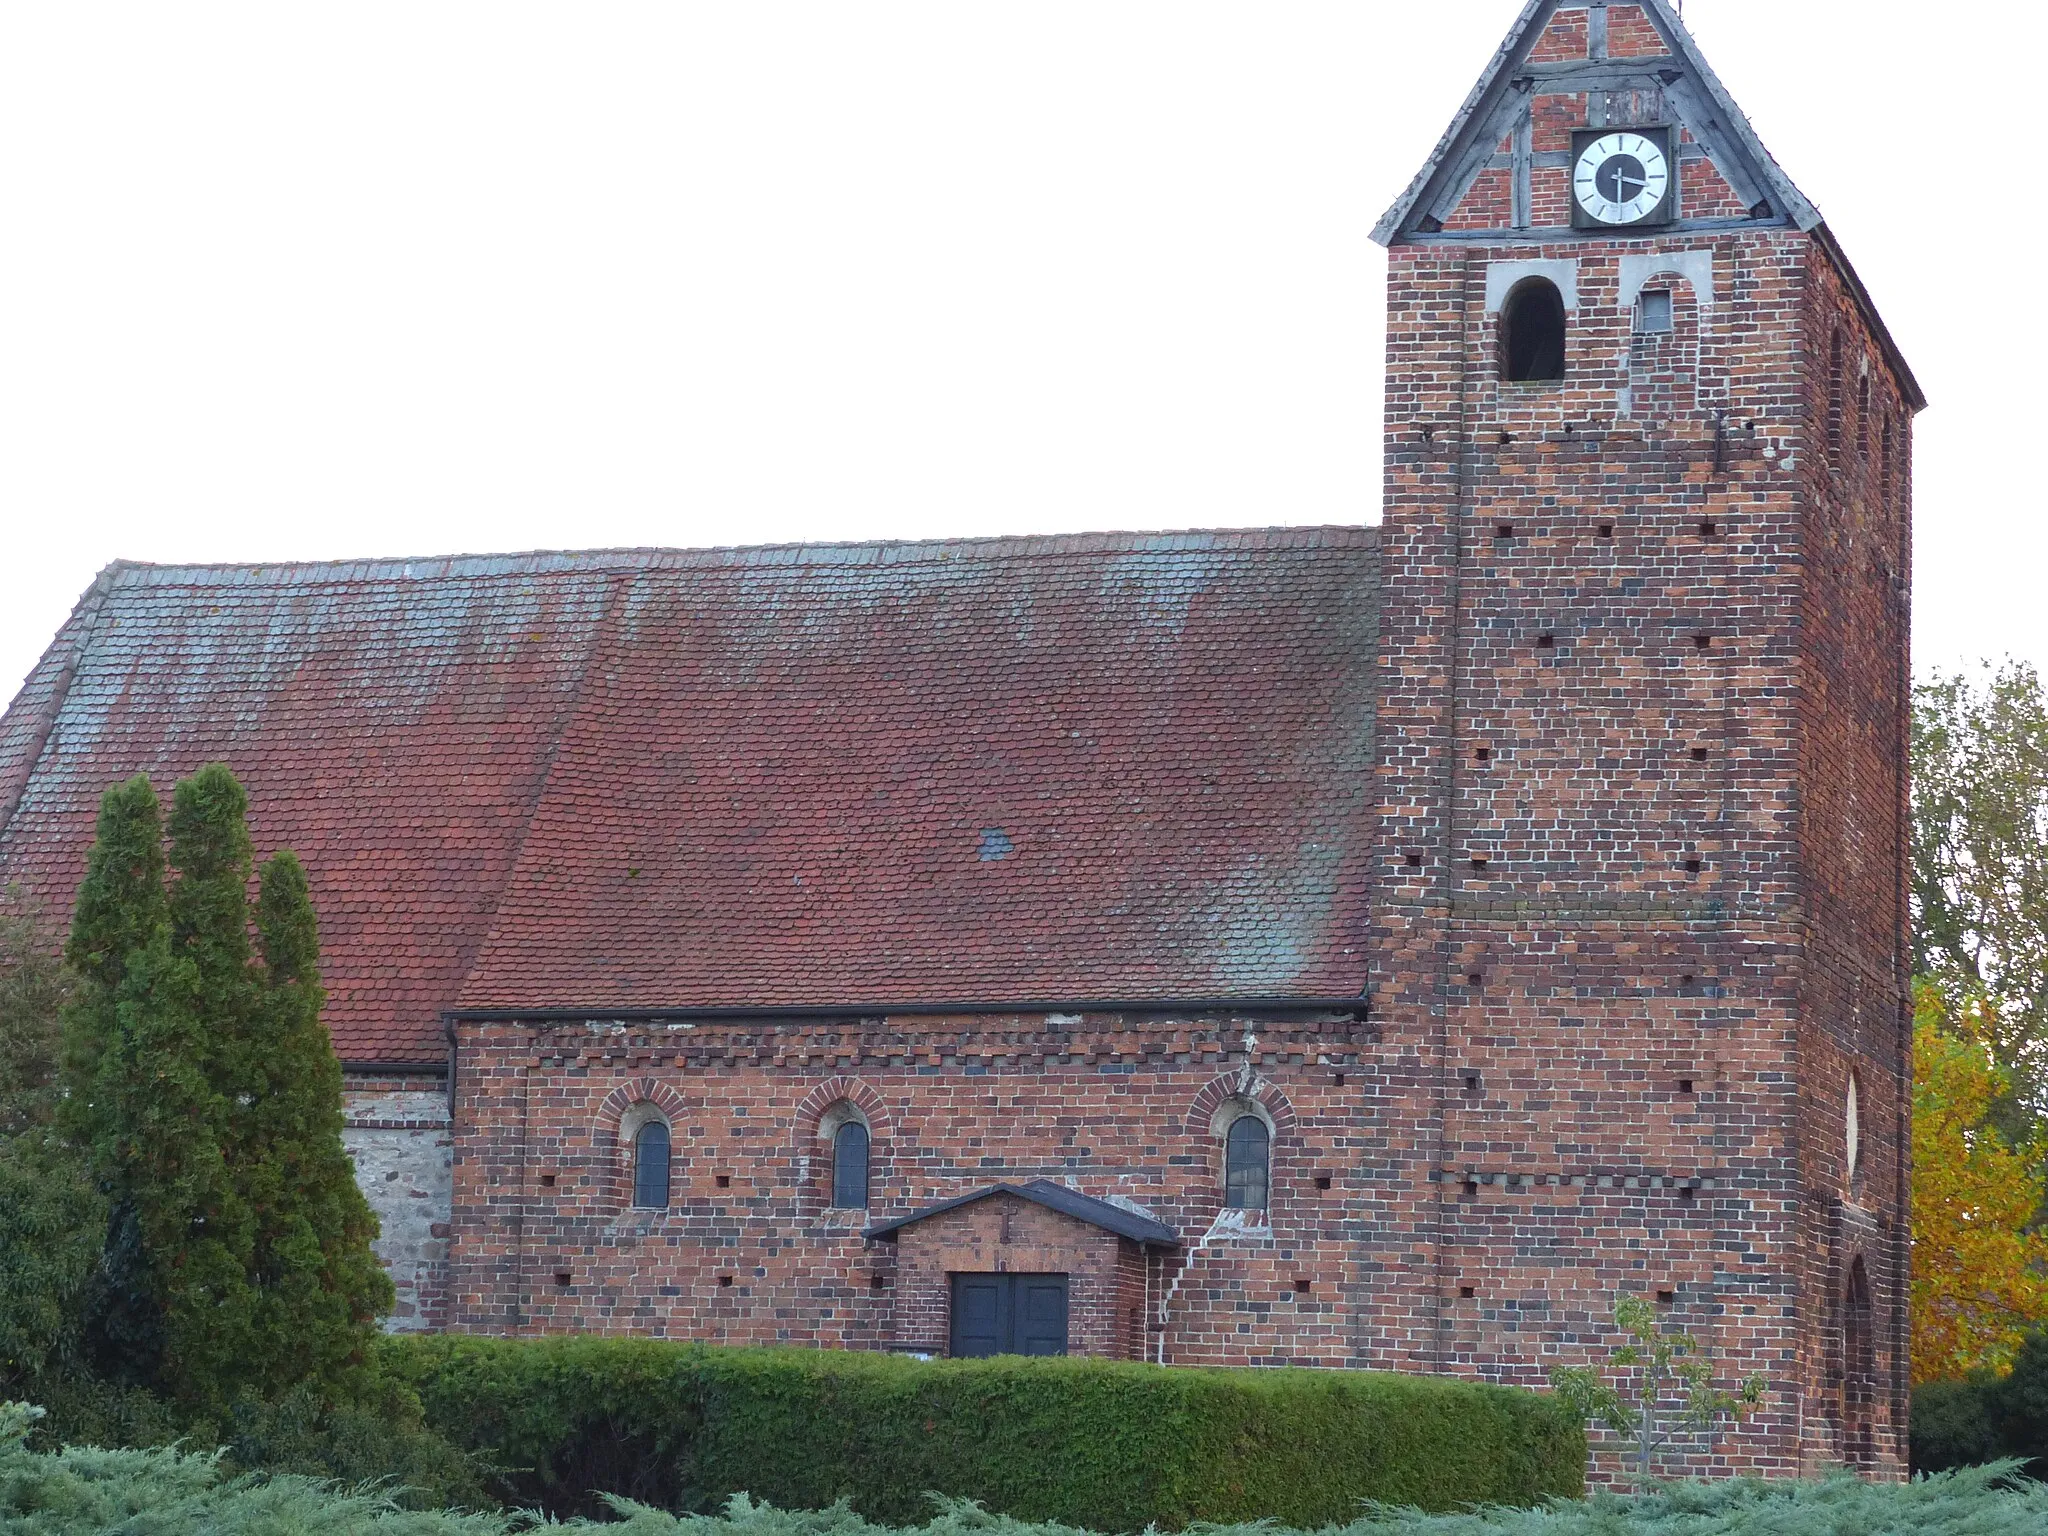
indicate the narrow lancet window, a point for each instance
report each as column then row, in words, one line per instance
column 650, row 1166
column 1247, row 1164
column 850, row 1166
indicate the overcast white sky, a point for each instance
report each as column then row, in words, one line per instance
column 307, row 281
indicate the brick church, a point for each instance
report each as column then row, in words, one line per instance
column 1350, row 947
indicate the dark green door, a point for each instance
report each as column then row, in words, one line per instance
column 1009, row 1315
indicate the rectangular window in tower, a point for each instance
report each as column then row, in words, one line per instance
column 1653, row 312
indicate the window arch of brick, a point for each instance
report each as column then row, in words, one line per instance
column 625, row 1112
column 1221, row 1092
column 1247, row 1161
column 825, row 1112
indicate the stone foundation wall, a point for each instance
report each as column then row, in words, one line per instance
column 399, row 1137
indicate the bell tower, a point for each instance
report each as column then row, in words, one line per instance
column 1640, row 920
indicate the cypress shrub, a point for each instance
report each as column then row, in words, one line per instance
column 140, row 1099
column 51, row 1217
column 1105, row 1445
column 320, row 1287
column 237, row 1260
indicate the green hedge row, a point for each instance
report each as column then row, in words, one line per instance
column 1097, row 1444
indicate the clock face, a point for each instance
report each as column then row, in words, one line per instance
column 1621, row 178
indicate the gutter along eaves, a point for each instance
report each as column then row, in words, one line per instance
column 1353, row 1006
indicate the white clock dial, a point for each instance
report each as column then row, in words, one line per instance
column 1621, row 178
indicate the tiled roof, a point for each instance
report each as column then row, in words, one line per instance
column 1082, row 767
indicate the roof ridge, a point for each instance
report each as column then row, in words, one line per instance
column 133, row 573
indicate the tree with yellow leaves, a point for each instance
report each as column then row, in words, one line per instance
column 1980, row 1268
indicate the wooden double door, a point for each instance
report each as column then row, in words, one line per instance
column 1009, row 1315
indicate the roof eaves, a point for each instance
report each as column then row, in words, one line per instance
column 1054, row 1197
column 1356, row 1005
column 1789, row 200
column 1493, row 82
column 1734, row 132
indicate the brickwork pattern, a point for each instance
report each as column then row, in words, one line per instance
column 1581, row 783
column 1639, row 905
column 1107, row 1276
column 748, row 1251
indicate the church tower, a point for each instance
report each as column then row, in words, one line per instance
column 1640, row 915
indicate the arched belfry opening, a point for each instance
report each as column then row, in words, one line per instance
column 1532, row 333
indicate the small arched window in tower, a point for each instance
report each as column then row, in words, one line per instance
column 1532, row 333
column 650, row 1165
column 1247, row 1163
column 1863, row 419
column 1835, row 400
column 850, row 1166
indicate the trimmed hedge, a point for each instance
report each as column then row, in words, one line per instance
column 1098, row 1444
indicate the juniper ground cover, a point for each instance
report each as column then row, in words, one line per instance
column 80, row 1491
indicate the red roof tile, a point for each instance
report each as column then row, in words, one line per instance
column 1065, row 768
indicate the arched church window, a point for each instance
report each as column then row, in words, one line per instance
column 1532, row 333
column 650, row 1165
column 1247, row 1164
column 850, row 1166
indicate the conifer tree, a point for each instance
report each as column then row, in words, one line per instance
column 321, row 1285
column 132, row 1098
column 119, row 909
column 237, row 1254
column 51, row 1218
column 209, row 1295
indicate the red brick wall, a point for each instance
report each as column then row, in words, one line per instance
column 1638, row 915
column 1854, row 1016
column 1106, row 1274
column 1689, row 805
column 1645, row 651
column 1117, row 1107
